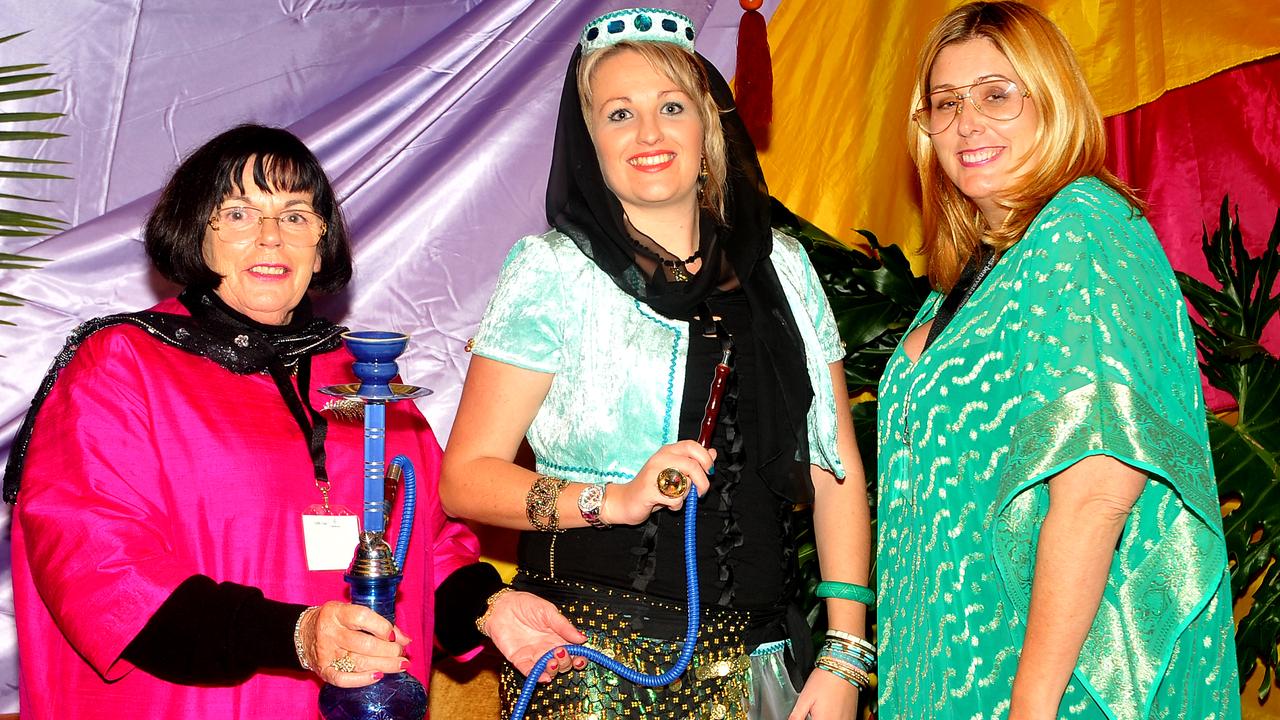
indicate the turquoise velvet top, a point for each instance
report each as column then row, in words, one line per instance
column 619, row 366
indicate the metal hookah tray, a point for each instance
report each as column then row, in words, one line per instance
column 399, row 391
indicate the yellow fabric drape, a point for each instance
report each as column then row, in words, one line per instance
column 843, row 73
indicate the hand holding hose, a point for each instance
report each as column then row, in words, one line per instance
column 632, row 502
column 524, row 627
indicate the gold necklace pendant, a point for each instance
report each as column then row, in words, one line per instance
column 678, row 274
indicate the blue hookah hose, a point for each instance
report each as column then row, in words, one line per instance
column 406, row 516
column 634, row 676
column 694, row 606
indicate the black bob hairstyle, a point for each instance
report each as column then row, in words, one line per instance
column 281, row 162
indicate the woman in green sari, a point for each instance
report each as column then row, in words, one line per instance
column 1050, row 542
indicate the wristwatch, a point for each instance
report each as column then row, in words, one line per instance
column 589, row 503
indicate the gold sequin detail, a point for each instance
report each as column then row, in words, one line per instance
column 716, row 686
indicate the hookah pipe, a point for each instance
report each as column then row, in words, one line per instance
column 376, row 571
column 706, row 430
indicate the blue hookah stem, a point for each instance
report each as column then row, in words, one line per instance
column 375, row 435
column 406, row 515
column 636, row 677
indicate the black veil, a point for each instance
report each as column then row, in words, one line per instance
column 734, row 253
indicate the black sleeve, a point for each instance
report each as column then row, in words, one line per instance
column 460, row 599
column 210, row 633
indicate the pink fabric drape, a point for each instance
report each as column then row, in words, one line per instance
column 1191, row 146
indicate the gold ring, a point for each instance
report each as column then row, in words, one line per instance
column 673, row 483
column 344, row 664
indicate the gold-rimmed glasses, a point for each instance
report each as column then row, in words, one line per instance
column 996, row 98
column 300, row 228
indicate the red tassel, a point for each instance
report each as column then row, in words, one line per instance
column 753, row 81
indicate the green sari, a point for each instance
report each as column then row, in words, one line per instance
column 1077, row 344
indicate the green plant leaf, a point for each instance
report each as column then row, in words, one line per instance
column 28, row 116
column 23, row 94
column 29, row 161
column 17, row 223
column 25, row 77
column 32, row 175
column 29, row 135
column 20, row 68
column 874, row 294
column 14, row 217
column 1246, row 453
column 1245, row 457
column 1265, row 306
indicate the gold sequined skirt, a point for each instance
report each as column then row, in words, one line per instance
column 715, row 687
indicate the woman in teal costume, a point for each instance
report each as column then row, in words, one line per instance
column 1050, row 541
column 598, row 346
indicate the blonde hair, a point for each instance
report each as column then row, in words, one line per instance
column 1070, row 139
column 686, row 71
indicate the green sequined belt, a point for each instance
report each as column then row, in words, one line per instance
column 716, row 686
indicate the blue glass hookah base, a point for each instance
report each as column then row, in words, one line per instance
column 397, row 696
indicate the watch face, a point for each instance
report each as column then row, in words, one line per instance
column 589, row 502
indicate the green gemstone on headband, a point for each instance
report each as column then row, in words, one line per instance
column 638, row 25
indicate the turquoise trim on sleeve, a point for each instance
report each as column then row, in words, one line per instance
column 582, row 470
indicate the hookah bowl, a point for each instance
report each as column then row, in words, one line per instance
column 375, row 571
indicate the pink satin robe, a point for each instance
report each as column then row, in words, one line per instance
column 150, row 464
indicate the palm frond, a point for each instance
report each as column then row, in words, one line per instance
column 16, row 223
column 25, row 94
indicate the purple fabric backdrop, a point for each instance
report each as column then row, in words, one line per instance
column 433, row 117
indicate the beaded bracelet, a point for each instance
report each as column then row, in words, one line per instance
column 849, row 672
column 847, row 591
column 851, row 645
column 846, row 672
column 851, row 639
column 540, row 504
column 483, row 620
column 855, row 656
column 297, row 637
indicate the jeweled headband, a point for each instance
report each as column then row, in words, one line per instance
column 638, row 25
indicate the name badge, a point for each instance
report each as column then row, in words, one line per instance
column 330, row 540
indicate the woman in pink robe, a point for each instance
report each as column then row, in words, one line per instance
column 160, row 567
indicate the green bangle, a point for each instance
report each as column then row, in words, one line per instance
column 847, row 591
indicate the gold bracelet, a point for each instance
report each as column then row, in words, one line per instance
column 488, row 610
column 540, row 505
column 297, row 637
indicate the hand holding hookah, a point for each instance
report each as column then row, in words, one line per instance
column 671, row 484
column 376, row 570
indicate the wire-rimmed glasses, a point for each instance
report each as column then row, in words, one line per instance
column 996, row 98
column 301, row 228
